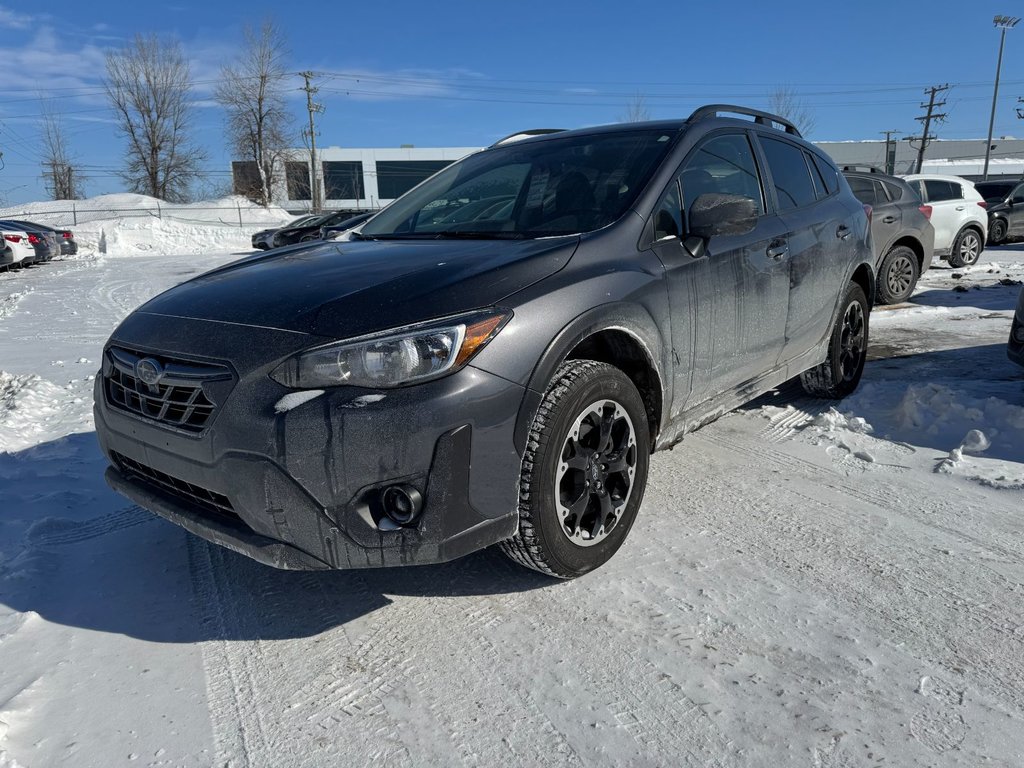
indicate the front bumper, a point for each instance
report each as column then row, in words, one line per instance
column 302, row 487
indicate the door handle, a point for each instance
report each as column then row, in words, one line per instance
column 777, row 251
column 843, row 232
column 888, row 219
column 961, row 207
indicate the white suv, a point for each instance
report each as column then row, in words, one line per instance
column 959, row 216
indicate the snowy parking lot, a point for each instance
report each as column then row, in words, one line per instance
column 805, row 585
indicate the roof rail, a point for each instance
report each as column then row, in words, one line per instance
column 520, row 135
column 761, row 118
column 863, row 168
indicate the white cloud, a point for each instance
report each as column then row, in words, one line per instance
column 13, row 20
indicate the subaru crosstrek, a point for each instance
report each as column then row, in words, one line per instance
column 493, row 358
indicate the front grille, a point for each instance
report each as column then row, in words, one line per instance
column 201, row 497
column 178, row 396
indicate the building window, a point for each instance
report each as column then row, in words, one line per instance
column 245, row 178
column 343, row 180
column 396, row 177
column 297, row 176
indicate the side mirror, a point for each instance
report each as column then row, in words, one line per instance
column 714, row 214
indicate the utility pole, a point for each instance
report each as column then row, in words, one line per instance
column 1020, row 110
column 1003, row 23
column 927, row 119
column 890, row 152
column 314, row 109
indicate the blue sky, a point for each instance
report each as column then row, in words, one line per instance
column 463, row 74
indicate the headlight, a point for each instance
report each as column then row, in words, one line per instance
column 393, row 358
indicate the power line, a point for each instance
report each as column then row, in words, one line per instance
column 925, row 138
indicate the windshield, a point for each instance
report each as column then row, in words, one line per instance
column 539, row 189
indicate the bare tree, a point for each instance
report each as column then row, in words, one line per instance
column 62, row 179
column 785, row 102
column 636, row 110
column 148, row 88
column 252, row 93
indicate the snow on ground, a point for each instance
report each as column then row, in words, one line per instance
column 808, row 584
column 131, row 225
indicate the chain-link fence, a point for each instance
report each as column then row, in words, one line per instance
column 235, row 215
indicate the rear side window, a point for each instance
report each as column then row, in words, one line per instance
column 828, row 173
column 790, row 175
column 895, row 190
column 939, row 190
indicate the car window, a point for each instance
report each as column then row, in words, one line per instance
column 828, row 173
column 895, row 190
column 880, row 194
column 1018, row 194
column 668, row 217
column 863, row 189
column 939, row 190
column 724, row 165
column 793, row 186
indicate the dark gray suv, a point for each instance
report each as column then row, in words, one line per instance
column 903, row 236
column 459, row 377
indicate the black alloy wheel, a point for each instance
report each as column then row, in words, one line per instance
column 840, row 374
column 584, row 471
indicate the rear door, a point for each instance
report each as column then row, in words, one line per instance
column 886, row 218
column 818, row 237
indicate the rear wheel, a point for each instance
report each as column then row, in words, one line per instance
column 840, row 374
column 997, row 232
column 966, row 248
column 584, row 471
column 897, row 277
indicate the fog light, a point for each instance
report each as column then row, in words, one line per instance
column 402, row 503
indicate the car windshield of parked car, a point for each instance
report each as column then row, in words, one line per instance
column 556, row 186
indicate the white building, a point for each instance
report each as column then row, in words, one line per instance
column 350, row 178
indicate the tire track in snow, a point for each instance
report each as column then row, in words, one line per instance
column 56, row 532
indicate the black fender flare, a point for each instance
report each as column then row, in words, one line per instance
column 631, row 319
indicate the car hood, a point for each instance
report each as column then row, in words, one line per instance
column 347, row 289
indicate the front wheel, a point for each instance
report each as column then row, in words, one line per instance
column 840, row 374
column 584, row 471
column 966, row 249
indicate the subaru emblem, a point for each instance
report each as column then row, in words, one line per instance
column 149, row 371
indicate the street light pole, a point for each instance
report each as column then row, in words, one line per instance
column 1003, row 23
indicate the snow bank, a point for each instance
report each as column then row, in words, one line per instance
column 979, row 437
column 129, row 224
column 33, row 410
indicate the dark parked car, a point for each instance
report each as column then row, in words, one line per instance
column 328, row 231
column 903, row 236
column 309, row 230
column 1005, row 209
column 1015, row 347
column 430, row 389
column 42, row 238
column 264, row 239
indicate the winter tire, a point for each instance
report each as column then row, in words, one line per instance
column 897, row 277
column 840, row 374
column 966, row 249
column 584, row 471
column 997, row 232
